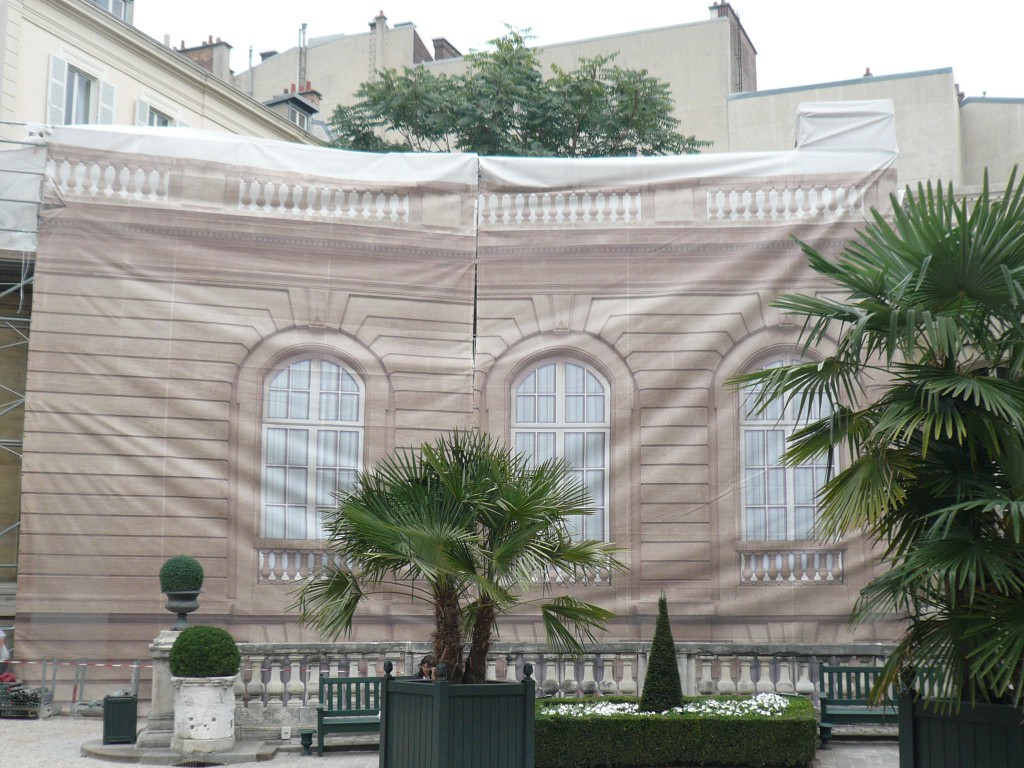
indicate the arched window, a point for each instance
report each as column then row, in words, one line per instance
column 312, row 444
column 560, row 409
column 779, row 502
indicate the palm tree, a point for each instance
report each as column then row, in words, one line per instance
column 926, row 382
column 470, row 527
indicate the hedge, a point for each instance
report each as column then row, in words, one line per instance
column 634, row 741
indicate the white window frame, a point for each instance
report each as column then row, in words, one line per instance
column 298, row 117
column 121, row 9
column 296, row 486
column 148, row 105
column 543, row 425
column 779, row 502
column 100, row 110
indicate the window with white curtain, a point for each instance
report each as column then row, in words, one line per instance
column 779, row 502
column 560, row 409
column 312, row 444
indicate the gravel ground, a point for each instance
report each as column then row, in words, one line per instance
column 56, row 743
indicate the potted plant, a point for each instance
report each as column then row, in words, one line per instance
column 932, row 321
column 181, row 579
column 204, row 663
column 470, row 527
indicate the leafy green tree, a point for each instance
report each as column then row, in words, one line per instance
column 926, row 382
column 663, row 689
column 504, row 106
column 468, row 526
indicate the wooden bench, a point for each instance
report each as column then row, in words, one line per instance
column 844, row 695
column 347, row 705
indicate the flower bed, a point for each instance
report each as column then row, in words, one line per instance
column 764, row 730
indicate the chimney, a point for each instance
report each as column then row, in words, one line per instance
column 214, row 57
column 742, row 54
column 867, row 72
column 311, row 95
column 444, row 50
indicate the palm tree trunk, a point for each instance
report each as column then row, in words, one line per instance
column 476, row 664
column 448, row 632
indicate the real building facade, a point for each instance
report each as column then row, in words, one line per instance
column 71, row 62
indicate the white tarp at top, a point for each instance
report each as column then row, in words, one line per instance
column 22, row 167
column 838, row 126
column 831, row 137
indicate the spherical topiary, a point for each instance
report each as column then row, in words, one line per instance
column 662, row 686
column 202, row 651
column 181, row 573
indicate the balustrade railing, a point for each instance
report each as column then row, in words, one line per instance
column 278, row 684
column 285, row 566
column 322, row 201
column 774, row 203
column 561, row 207
column 141, row 182
column 792, row 566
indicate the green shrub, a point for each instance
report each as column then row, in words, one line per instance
column 669, row 739
column 181, row 573
column 202, row 651
column 662, row 687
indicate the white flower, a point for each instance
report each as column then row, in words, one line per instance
column 765, row 704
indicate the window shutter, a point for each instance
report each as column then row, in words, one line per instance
column 105, row 114
column 142, row 112
column 56, row 90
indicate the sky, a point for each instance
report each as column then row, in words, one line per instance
column 799, row 42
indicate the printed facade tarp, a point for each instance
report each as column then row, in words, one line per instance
column 225, row 330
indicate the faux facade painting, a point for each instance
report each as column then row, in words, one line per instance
column 226, row 330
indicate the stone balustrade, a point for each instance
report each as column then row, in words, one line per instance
column 278, row 684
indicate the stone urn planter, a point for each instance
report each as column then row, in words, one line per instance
column 204, row 714
column 181, row 579
column 204, row 664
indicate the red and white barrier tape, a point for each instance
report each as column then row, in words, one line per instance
column 124, row 665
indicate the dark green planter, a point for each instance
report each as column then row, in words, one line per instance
column 976, row 736
column 440, row 725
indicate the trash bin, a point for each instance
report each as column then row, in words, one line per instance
column 120, row 713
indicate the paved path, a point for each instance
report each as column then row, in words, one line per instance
column 57, row 743
column 859, row 754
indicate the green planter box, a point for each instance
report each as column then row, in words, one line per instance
column 120, row 714
column 440, row 725
column 976, row 736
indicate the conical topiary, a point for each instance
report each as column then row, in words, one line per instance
column 662, row 687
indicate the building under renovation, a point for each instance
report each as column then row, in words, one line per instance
column 224, row 331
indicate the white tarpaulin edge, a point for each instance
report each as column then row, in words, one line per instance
column 832, row 137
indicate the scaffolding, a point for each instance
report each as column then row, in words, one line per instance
column 22, row 178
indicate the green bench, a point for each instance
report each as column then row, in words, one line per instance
column 347, row 705
column 843, row 694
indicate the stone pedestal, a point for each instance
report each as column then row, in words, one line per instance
column 160, row 723
column 204, row 714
